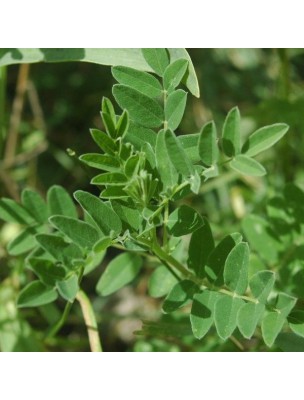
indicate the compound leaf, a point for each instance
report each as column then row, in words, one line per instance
column 225, row 315
column 207, row 144
column 35, row 205
column 261, row 285
column 60, row 202
column 158, row 59
column 248, row 317
column 184, row 220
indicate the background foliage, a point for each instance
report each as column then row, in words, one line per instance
column 53, row 109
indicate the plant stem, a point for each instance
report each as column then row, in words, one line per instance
column 90, row 321
column 59, row 324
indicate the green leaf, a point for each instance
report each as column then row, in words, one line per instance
column 261, row 285
column 247, row 166
column 225, row 315
column 24, row 242
column 202, row 312
column 105, row 218
column 217, row 258
column 289, row 342
column 262, row 238
column 166, row 169
column 60, row 202
column 119, row 272
column 109, row 124
column 11, row 211
column 110, row 178
column 273, row 322
column 174, row 73
column 122, row 124
column 102, row 140
column 126, row 57
column 128, row 214
column 46, row 270
column 177, row 155
column 36, row 294
column 175, row 108
column 114, row 192
column 58, row 248
column 190, row 145
column 100, row 161
column 139, row 135
column 248, row 317
column 158, row 59
column 179, row 296
column 79, row 232
column 161, row 282
column 236, row 268
column 108, row 108
column 139, row 80
column 102, row 244
column 231, row 133
column 68, row 288
column 264, row 138
column 296, row 322
column 184, row 220
column 35, row 205
column 207, row 144
column 200, row 246
column 142, row 109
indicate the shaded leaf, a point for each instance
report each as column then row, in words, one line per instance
column 46, row 270
column 179, row 296
column 24, row 242
column 296, row 322
column 184, row 220
column 202, row 312
column 200, row 246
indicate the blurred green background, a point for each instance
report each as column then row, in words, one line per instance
column 54, row 108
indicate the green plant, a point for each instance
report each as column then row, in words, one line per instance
column 145, row 174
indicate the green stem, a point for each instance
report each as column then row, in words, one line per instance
column 2, row 108
column 90, row 321
column 59, row 324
